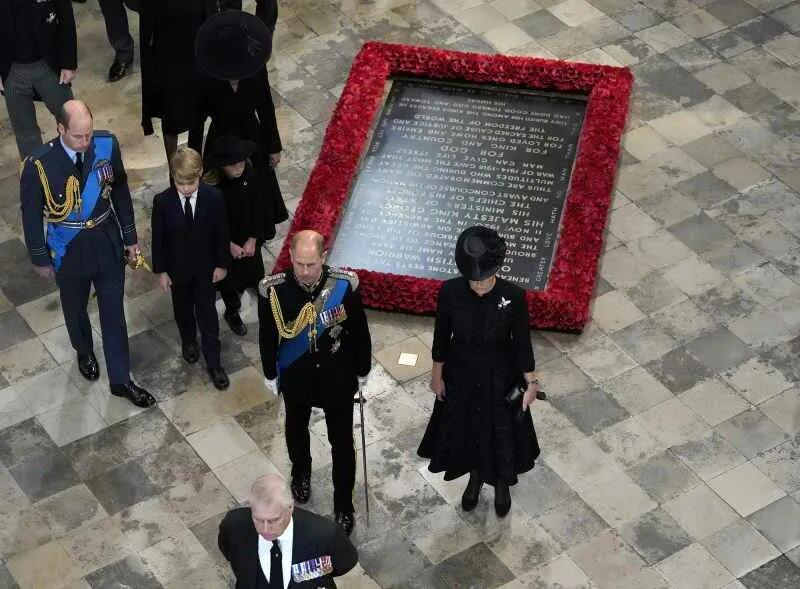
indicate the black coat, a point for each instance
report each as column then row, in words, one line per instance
column 248, row 113
column 92, row 250
column 249, row 213
column 314, row 536
column 171, row 81
column 186, row 253
column 55, row 38
column 327, row 377
column 484, row 343
column 267, row 11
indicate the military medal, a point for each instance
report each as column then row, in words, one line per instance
column 312, row 569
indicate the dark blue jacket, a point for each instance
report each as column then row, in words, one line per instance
column 92, row 250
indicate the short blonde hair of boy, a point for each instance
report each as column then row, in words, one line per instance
column 186, row 165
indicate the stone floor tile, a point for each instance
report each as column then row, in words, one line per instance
column 605, row 558
column 779, row 522
column 174, row 556
column 95, row 545
column 655, row 535
column 740, row 548
column 709, row 455
column 614, row 310
column 390, row 356
column 628, row 441
column 22, row 529
column 75, row 507
column 746, row 489
column 780, row 573
column 616, row 498
column 29, row 572
column 725, row 303
column 581, row 463
column 25, row 360
column 784, row 409
column 678, row 370
column 700, row 511
column 591, row 411
column 561, row 377
column 523, row 544
column 408, row 562
column 196, row 501
column 663, row 477
column 645, row 340
column 699, row 23
column 13, row 330
column 601, row 359
column 238, row 474
column 780, row 465
column 752, row 432
column 441, row 534
column 45, row 474
column 714, row 401
column 71, row 421
column 694, row 567
column 221, row 443
column 731, row 12
column 122, row 487
column 561, row 572
column 538, row 491
column 129, row 571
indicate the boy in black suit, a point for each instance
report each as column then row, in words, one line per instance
column 273, row 545
column 191, row 254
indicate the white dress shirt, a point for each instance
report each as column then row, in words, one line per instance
column 285, row 544
column 192, row 201
column 71, row 153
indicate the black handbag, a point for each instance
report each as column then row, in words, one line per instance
column 514, row 398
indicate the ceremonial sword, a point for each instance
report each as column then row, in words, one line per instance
column 361, row 400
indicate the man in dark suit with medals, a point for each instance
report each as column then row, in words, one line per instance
column 77, row 185
column 316, row 351
column 273, row 545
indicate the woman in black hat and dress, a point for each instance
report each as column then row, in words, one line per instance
column 249, row 206
column 482, row 355
column 232, row 50
column 171, row 80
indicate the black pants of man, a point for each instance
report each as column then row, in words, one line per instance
column 109, row 284
column 119, row 35
column 24, row 83
column 193, row 303
column 339, row 421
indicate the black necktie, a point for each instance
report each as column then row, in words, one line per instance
column 187, row 209
column 79, row 162
column 275, row 567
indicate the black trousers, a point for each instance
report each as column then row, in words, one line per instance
column 119, row 35
column 193, row 303
column 232, row 297
column 109, row 285
column 339, row 421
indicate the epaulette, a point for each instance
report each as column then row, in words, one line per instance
column 348, row 275
column 269, row 281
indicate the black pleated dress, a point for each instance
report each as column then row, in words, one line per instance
column 484, row 343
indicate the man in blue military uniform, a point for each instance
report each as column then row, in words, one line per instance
column 77, row 185
column 316, row 351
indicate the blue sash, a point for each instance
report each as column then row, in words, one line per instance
column 58, row 236
column 291, row 349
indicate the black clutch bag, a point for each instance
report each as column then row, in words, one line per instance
column 514, row 399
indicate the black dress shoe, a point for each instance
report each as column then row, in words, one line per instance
column 119, row 69
column 236, row 324
column 134, row 393
column 88, row 366
column 301, row 488
column 346, row 521
column 189, row 351
column 219, row 378
column 502, row 498
column 470, row 497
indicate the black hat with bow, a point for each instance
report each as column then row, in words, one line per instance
column 479, row 252
column 232, row 45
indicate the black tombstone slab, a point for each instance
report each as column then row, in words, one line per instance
column 445, row 156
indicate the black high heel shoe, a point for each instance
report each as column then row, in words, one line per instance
column 470, row 497
column 502, row 498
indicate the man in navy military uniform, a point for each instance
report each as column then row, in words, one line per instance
column 77, row 185
column 316, row 351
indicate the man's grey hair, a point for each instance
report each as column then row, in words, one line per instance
column 271, row 489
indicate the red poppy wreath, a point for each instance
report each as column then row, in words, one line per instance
column 564, row 304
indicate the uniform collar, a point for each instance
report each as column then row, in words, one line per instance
column 314, row 287
column 68, row 150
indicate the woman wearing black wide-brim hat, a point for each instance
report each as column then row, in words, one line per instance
column 482, row 355
column 232, row 50
column 250, row 221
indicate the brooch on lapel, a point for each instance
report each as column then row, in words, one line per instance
column 312, row 569
column 504, row 302
column 51, row 18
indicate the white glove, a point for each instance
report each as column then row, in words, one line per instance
column 362, row 382
column 272, row 385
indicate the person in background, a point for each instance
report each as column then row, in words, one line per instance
column 232, row 50
column 482, row 353
column 170, row 78
column 119, row 35
column 77, row 184
column 190, row 255
column 316, row 351
column 272, row 544
column 38, row 61
column 249, row 208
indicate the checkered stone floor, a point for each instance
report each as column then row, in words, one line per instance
column 671, row 442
